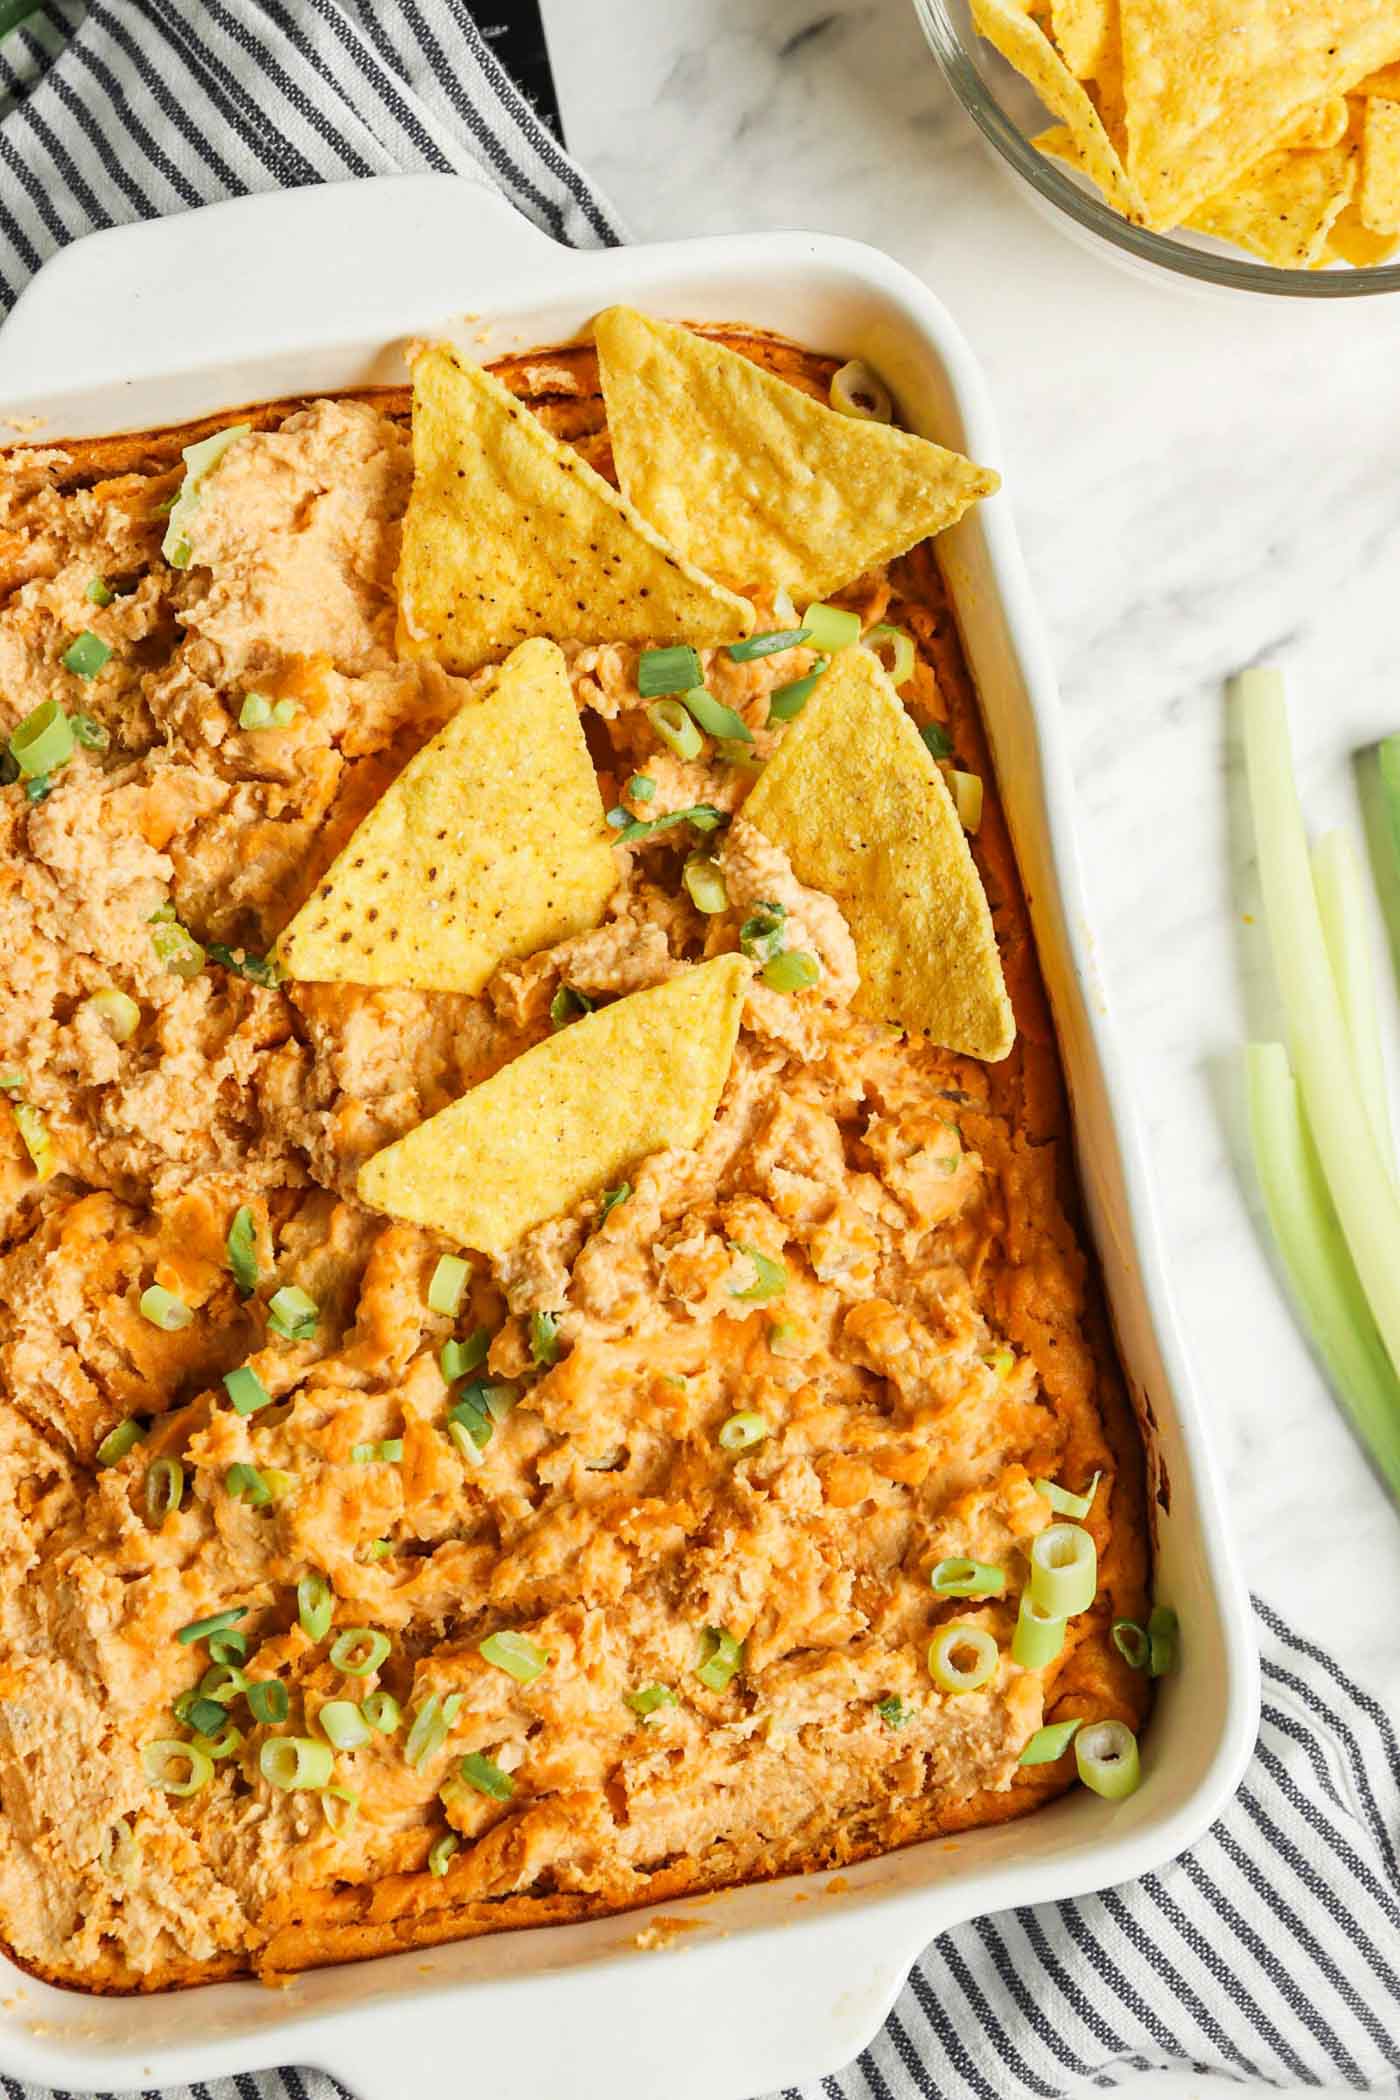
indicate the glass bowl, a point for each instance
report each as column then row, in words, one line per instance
column 1007, row 111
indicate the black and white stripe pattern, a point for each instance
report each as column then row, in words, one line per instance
column 1268, row 1953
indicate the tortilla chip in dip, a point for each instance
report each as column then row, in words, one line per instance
column 510, row 533
column 570, row 1116
column 489, row 844
column 752, row 478
column 862, row 812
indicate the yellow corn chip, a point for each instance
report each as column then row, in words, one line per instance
column 510, row 533
column 1324, row 124
column 1284, row 207
column 1086, row 33
column 1022, row 44
column 1351, row 242
column 1378, row 198
column 862, row 812
column 570, row 1116
column 489, row 844
column 1384, row 82
column 754, row 479
column 1210, row 88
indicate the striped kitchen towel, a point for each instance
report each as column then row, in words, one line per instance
column 1270, row 1951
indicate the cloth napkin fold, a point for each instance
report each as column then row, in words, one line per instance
column 1270, row 1952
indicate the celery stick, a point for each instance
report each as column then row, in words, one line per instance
column 1337, row 879
column 1363, row 1194
column 1315, row 1256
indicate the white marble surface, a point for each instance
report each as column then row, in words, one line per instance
column 1200, row 480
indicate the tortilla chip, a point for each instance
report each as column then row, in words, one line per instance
column 490, row 843
column 1378, row 197
column 1209, row 88
column 1284, row 207
column 1086, row 32
column 1385, row 82
column 1021, row 43
column 862, row 812
column 570, row 1116
column 754, row 479
column 1324, row 124
column 510, row 533
column 1351, row 242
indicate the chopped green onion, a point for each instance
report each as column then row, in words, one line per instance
column 1163, row 1636
column 358, row 1651
column 544, row 1337
column 340, row 1807
column 742, row 1431
column 761, row 935
column 163, row 1762
column 119, row 1441
column 246, row 1390
column 118, row 1014
column 515, row 1653
column 720, row 1658
column 770, row 1277
column 792, row 971
column 703, row 815
column 258, row 969
column 1132, row 1643
column 165, row 1485
column 34, row 1131
column 714, row 717
column 1039, row 1635
column 292, row 1314
column 458, row 1359
column 243, row 1483
column 441, row 1852
column 1049, row 1742
column 242, row 1246
column 893, row 1711
column 949, row 1645
column 900, row 646
column 967, row 794
column 208, row 1717
column 567, row 1005
column 163, row 1309
column 786, row 702
column 857, row 391
column 967, row 1578
column 98, row 593
column 267, row 1700
column 388, row 1452
column 486, row 1776
column 39, row 788
column 223, row 1681
column 200, row 1629
column 1337, row 880
column 937, row 740
column 675, row 728
column 470, row 1423
column 295, row 1761
column 90, row 734
column 378, row 1549
column 315, row 1606
column 175, row 946
column 284, row 712
column 431, row 1723
column 667, row 671
column 1064, row 1569
column 43, row 740
column 225, row 1742
column 640, row 788
column 382, row 1710
column 228, row 1645
column 449, row 1285
column 704, row 882
column 84, row 657
column 1106, row 1753
column 611, row 1198
column 256, row 711
column 1063, row 1502
column 788, row 1338
column 200, row 461
column 758, row 645
column 648, row 1700
column 830, row 628
column 344, row 1724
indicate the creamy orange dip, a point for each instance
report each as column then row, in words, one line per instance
column 938, row 1344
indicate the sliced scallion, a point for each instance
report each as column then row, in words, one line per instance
column 441, row 1851
column 43, row 741
column 1164, row 1640
column 649, row 1699
column 228, row 1645
column 486, row 1776
column 667, row 671
column 449, row 1285
column 704, row 883
column 256, row 711
column 568, row 1004
column 459, row 1359
column 85, row 656
column 1039, row 1635
column 714, row 717
column 703, row 815
column 345, row 1726
column 267, row 1700
column 164, row 1310
column 89, row 733
column 770, row 1276
column 34, row 1135
column 258, row 969
column 242, row 1245
column 1132, row 1642
column 315, row 1606
column 119, row 1441
column 246, row 1390
column 675, row 728
column 830, row 627
column 244, row 1483
column 200, row 1629
column 224, row 1681
column 515, row 1653
column 792, row 971
column 957, row 1577
column 610, row 1199
column 340, row 1807
column 227, row 1741
column 431, row 1722
column 937, row 740
column 98, row 592
column 387, row 1452
column 176, row 949
column 292, row 1314
column 200, row 460
column 295, row 1761
column 1106, row 1754
column 1064, row 1569
column 208, row 1717
column 1063, row 1502
column 358, row 1651
column 962, row 1658
column 786, row 702
column 640, row 788
column 761, row 935
column 544, row 1337
column 893, row 1711
column 720, row 1659
column 757, row 645
column 382, row 1710
column 1049, row 1742
column 165, row 1486
column 901, row 651
column 181, row 1769
column 119, row 1014
column 742, row 1431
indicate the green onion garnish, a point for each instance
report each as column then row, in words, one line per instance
column 858, row 391
column 43, row 741
column 90, row 734
column 449, row 1285
column 792, row 971
column 486, row 1776
column 1106, row 1753
column 761, row 935
column 515, row 1653
column 39, row 788
column 611, row 1198
column 295, row 1761
column 200, row 460
column 292, row 1314
column 967, row 1578
column 1132, row 1643
column 1163, row 1640
column 788, row 1338
column 382, row 1710
column 703, row 815
column 256, row 711
column 165, row 1486
column 967, row 794
column 119, row 1441
column 900, row 646
column 223, row 1681
column 937, row 739
column 1063, row 1502
column 1064, row 1570
column 786, row 702
column 649, row 1699
column 714, row 717
column 315, row 1606
column 1039, row 1635
column 675, row 728
column 242, row 1246
column 893, row 1711
column 34, row 1132
column 246, row 1390
column 228, row 1645
column 85, row 656
column 378, row 1549
column 267, row 1700
column 770, row 1277
column 175, row 946
column 200, row 1629
column 258, row 969
column 766, row 644
column 98, row 593
column 1049, row 1742
column 226, row 1741
column 567, row 1004
column 441, row 1852
column 388, row 1452
column 742, row 1431
column 177, row 1768
column 720, row 1658
column 458, row 1359
column 431, row 1723
column 470, row 1423
column 243, row 1483
column 640, row 788
column 119, row 1015
column 667, row 671
column 544, row 1337
column 962, row 1658
column 208, row 1717
column 344, row 1724
column 830, row 628
column 358, row 1651
column 163, row 1309
column 340, row 1807
column 704, row 882
column 284, row 712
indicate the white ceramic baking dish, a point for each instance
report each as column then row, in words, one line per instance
column 318, row 290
